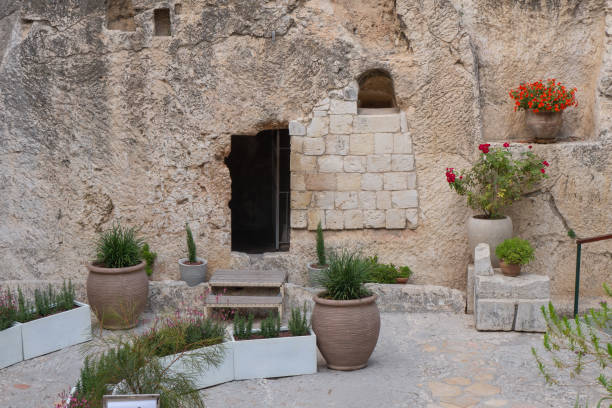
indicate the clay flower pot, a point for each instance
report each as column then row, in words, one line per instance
column 347, row 331
column 489, row 231
column 401, row 280
column 510, row 269
column 193, row 274
column 117, row 295
column 544, row 125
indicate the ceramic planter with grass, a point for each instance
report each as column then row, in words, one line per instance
column 11, row 350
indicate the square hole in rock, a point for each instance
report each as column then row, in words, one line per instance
column 162, row 22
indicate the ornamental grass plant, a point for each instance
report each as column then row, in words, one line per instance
column 8, row 309
column 119, row 247
column 345, row 276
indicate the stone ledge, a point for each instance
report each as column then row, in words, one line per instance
column 498, row 286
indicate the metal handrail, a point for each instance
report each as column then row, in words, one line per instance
column 579, row 243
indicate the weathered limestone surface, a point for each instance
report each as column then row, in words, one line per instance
column 100, row 125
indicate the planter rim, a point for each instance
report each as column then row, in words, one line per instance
column 480, row 217
column 76, row 303
column 183, row 260
column 311, row 265
column 111, row 271
column 543, row 112
column 283, row 328
column 345, row 303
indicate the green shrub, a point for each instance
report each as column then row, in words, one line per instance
column 270, row 326
column 149, row 257
column 243, row 327
column 298, row 322
column 119, row 247
column 515, row 251
column 345, row 276
column 8, row 309
column 404, row 272
column 386, row 273
column 191, row 246
column 321, row 259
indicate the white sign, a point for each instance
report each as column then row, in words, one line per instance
column 131, row 401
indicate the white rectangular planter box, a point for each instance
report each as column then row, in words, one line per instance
column 55, row 332
column 11, row 349
column 275, row 357
column 211, row 376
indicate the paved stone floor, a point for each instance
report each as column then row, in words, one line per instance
column 421, row 360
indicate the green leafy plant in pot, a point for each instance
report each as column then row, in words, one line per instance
column 193, row 269
column 513, row 253
column 345, row 318
column 117, row 284
column 315, row 269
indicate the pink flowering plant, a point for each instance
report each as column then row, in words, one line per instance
column 497, row 179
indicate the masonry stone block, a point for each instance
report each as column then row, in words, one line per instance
column 482, row 260
column 361, row 144
column 402, row 143
column 529, row 316
column 389, row 123
column 383, row 143
column 348, row 181
column 299, row 218
column 330, row 163
column 355, row 164
column 525, row 286
column 337, row 144
column 411, row 179
column 302, row 164
column 374, row 219
column 403, row 122
column 341, row 124
column 297, row 128
column 347, row 200
column 378, row 163
column 298, row 181
column 321, row 182
column 319, row 112
column 395, row 181
column 494, row 314
column 383, row 200
column 353, row 219
column 402, row 162
column 351, row 91
column 334, row 219
column 412, row 218
column 372, row 181
column 367, row 200
column 324, row 200
column 395, row 219
column 314, row 146
column 297, row 144
column 314, row 217
column 318, row 127
column 470, row 290
column 323, row 103
column 404, row 199
column 300, row 200
column 340, row 107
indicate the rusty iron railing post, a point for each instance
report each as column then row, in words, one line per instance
column 577, row 284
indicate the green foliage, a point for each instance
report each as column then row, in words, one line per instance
column 571, row 233
column 496, row 179
column 386, row 273
column 270, row 326
column 588, row 339
column 46, row 302
column 119, row 247
column 515, row 251
column 191, row 246
column 345, row 277
column 8, row 309
column 321, row 259
column 298, row 322
column 405, row 272
column 243, row 327
column 149, row 257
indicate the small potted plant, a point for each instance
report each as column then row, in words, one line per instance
column 193, row 269
column 543, row 103
column 117, row 284
column 345, row 318
column 315, row 269
column 513, row 253
column 495, row 181
column 403, row 274
column 149, row 257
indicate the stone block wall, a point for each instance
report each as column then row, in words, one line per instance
column 351, row 170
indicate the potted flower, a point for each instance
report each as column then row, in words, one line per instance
column 543, row 104
column 513, row 253
column 345, row 318
column 193, row 269
column 315, row 269
column 403, row 274
column 117, row 284
column 494, row 182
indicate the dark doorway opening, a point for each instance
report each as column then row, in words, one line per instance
column 259, row 168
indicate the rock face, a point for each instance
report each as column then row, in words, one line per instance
column 103, row 117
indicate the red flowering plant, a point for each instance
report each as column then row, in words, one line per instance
column 497, row 179
column 538, row 96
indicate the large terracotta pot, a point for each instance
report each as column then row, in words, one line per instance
column 117, row 295
column 492, row 232
column 347, row 331
column 544, row 125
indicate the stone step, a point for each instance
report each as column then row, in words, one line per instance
column 243, row 301
column 246, row 278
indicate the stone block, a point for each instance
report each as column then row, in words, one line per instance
column 374, row 219
column 498, row 286
column 353, row 219
column 334, row 219
column 361, row 144
column 299, row 218
column 402, row 162
column 351, row 91
column 321, row 182
column 300, row 200
column 297, row 144
column 529, row 316
column 330, row 164
column 318, row 127
column 297, row 128
column 402, row 143
column 314, row 146
column 340, row 107
column 347, row 200
column 341, row 124
column 395, row 219
column 469, row 291
column 389, row 123
column 383, row 143
column 355, row 164
column 378, row 163
column 337, row 144
column 411, row 180
column 404, row 199
column 302, row 164
column 383, row 200
column 412, row 218
column 395, row 181
column 319, row 112
column 372, row 181
column 323, row 103
column 482, row 260
column 494, row 314
column 298, row 181
column 323, row 200
column 367, row 200
column 314, row 217
column 403, row 122
column 348, row 181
